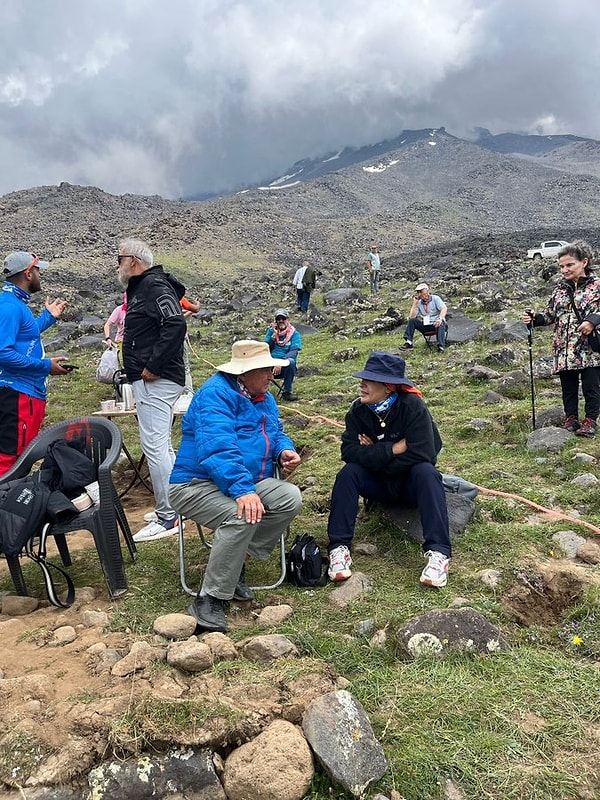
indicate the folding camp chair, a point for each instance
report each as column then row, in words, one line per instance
column 206, row 543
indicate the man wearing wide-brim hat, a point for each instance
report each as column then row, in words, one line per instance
column 390, row 447
column 223, row 478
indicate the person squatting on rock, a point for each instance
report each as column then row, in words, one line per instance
column 427, row 315
column 23, row 369
column 374, row 268
column 574, row 310
column 153, row 360
column 390, row 447
column 223, row 477
column 284, row 343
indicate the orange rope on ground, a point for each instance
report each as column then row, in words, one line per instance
column 555, row 514
column 317, row 417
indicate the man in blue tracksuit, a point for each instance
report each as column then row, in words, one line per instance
column 232, row 438
column 23, row 368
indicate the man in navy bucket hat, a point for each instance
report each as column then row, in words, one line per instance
column 390, row 447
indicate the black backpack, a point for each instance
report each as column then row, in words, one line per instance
column 304, row 562
column 25, row 517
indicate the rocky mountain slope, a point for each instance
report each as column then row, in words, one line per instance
column 427, row 193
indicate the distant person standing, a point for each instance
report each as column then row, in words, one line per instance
column 23, row 368
column 304, row 282
column 116, row 320
column 574, row 310
column 374, row 267
column 153, row 360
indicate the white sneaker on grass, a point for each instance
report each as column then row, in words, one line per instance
column 339, row 564
column 160, row 529
column 436, row 571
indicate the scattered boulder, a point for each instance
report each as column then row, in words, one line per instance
column 276, row 765
column 342, row 739
column 460, row 513
column 269, row 648
column 350, row 590
column 549, row 440
column 441, row 631
column 185, row 772
column 189, row 656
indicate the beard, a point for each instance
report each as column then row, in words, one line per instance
column 122, row 277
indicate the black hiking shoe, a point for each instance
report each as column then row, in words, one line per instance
column 209, row 613
column 242, row 591
column 289, row 397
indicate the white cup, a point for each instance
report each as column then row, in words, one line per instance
column 119, row 406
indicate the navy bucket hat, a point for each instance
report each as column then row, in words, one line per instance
column 385, row 368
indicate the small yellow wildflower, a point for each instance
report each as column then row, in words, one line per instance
column 577, row 640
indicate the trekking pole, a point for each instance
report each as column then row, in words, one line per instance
column 530, row 345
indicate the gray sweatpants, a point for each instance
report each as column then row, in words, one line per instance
column 234, row 538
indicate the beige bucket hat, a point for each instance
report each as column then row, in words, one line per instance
column 249, row 354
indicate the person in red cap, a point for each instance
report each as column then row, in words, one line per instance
column 23, row 368
column 390, row 447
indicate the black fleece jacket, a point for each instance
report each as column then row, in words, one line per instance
column 154, row 326
column 409, row 419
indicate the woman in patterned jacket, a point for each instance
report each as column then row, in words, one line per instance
column 574, row 310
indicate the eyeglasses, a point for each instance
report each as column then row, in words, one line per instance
column 121, row 257
column 279, row 319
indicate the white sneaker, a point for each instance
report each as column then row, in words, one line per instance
column 157, row 530
column 339, row 564
column 150, row 517
column 436, row 571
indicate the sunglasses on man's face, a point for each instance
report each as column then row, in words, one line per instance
column 121, row 257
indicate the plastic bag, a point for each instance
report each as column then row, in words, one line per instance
column 109, row 364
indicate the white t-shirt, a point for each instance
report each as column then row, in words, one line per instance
column 298, row 278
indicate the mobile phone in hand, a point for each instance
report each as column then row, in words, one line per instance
column 70, row 367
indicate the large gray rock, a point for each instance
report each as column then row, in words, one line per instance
column 507, row 332
column 269, row 648
column 460, row 513
column 277, row 765
column 461, row 329
column 549, row 440
column 338, row 297
column 457, row 629
column 342, row 739
column 186, row 773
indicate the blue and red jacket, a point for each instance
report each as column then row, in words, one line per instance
column 23, row 366
column 229, row 439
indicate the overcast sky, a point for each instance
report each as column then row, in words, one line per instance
column 189, row 96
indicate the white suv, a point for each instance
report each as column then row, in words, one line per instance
column 548, row 249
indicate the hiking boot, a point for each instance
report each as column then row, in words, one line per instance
column 339, row 564
column 440, row 348
column 289, row 397
column 209, row 612
column 587, row 428
column 571, row 423
column 436, row 571
column 157, row 530
column 242, row 591
column 407, row 345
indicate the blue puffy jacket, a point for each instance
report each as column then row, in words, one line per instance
column 229, row 439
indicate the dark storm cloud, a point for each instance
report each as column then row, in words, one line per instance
column 199, row 95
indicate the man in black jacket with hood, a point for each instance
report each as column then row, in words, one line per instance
column 153, row 360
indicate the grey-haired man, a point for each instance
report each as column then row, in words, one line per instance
column 153, row 360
